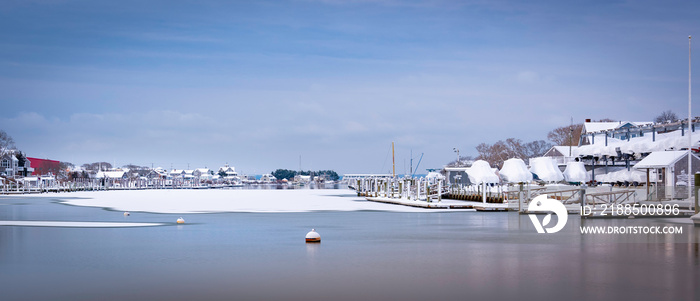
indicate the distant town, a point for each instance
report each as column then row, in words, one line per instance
column 604, row 151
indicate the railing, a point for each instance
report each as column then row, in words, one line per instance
column 661, row 193
column 612, row 198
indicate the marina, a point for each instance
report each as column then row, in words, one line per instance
column 403, row 150
column 435, row 195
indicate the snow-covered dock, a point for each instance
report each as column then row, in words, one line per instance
column 444, row 204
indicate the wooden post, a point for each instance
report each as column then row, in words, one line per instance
column 593, row 170
column 520, row 197
column 697, row 186
column 650, row 183
column 427, row 191
column 628, row 134
column 583, row 198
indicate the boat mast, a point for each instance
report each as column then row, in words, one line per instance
column 393, row 161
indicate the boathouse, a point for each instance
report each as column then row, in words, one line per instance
column 672, row 167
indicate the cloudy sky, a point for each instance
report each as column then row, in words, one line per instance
column 257, row 84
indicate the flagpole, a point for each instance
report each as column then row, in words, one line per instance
column 690, row 126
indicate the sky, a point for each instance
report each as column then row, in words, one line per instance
column 328, row 84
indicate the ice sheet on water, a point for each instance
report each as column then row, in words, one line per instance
column 183, row 201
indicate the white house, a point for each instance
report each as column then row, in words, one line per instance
column 230, row 171
column 268, row 178
column 10, row 165
column 177, row 173
column 112, row 175
column 203, row 174
column 621, row 130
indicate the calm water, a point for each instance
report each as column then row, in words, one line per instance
column 363, row 256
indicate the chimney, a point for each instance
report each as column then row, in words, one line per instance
column 588, row 120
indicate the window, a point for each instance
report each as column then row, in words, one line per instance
column 5, row 163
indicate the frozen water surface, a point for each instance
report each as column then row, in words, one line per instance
column 365, row 254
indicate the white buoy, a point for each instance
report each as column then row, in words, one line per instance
column 313, row 236
column 180, row 220
column 127, row 213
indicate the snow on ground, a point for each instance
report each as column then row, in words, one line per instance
column 183, row 201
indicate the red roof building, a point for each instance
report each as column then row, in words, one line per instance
column 44, row 166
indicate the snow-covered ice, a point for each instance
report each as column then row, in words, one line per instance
column 184, row 201
column 76, row 224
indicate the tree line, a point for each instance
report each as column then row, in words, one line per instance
column 290, row 174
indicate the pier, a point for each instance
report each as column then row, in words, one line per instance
column 434, row 194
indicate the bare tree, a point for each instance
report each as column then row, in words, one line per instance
column 566, row 135
column 536, row 148
column 6, row 142
column 666, row 116
column 97, row 165
column 501, row 151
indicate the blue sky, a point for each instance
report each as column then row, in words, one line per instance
column 259, row 83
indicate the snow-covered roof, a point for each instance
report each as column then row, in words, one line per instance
column 563, row 150
column 109, row 174
column 457, row 168
column 636, row 145
column 661, row 159
column 435, row 175
column 592, row 127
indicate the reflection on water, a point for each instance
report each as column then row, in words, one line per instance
column 364, row 255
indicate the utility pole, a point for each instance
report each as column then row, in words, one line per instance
column 690, row 125
column 571, row 134
column 456, row 150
